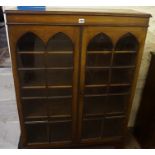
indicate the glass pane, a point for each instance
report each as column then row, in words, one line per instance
column 127, row 42
column 59, row 42
column 95, row 105
column 59, row 60
column 95, row 90
column 91, row 128
column 98, row 59
column 124, row 59
column 100, row 42
column 31, row 60
column 34, row 108
column 32, row 77
column 57, row 77
column 97, row 76
column 37, row 132
column 30, row 42
column 116, row 103
column 60, row 106
column 61, row 131
column 119, row 89
column 35, row 92
column 113, row 126
column 122, row 75
column 59, row 92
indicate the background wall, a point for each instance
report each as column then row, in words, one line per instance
column 9, row 123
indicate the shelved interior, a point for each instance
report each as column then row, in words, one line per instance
column 46, row 84
column 45, row 73
column 108, row 78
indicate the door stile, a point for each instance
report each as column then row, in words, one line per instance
column 75, row 84
column 82, row 81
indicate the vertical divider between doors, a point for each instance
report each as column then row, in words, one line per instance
column 76, row 70
column 81, row 82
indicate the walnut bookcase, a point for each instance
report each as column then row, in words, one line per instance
column 75, row 75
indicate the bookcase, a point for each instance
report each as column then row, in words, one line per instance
column 75, row 75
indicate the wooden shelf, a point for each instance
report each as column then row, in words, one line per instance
column 111, row 84
column 123, row 52
column 30, row 52
column 90, row 116
column 120, row 84
column 31, row 98
column 106, row 94
column 109, row 67
column 45, row 52
column 60, row 52
column 54, row 118
column 90, row 86
column 29, row 69
column 35, row 118
column 99, row 52
column 36, row 122
column 58, row 86
column 109, row 52
column 45, row 86
column 47, row 97
column 58, row 97
column 123, row 67
column 69, row 86
column 33, row 87
column 95, row 95
column 54, row 68
column 117, row 94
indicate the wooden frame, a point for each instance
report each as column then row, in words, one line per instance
column 47, row 24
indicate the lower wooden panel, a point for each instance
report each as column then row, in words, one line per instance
column 115, row 142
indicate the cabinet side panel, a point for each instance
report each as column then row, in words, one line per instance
column 12, row 41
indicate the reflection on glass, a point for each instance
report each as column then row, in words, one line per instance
column 61, row 131
column 95, row 90
column 31, row 61
column 30, row 42
column 32, row 77
column 116, row 104
column 121, row 75
column 59, row 60
column 59, row 77
column 98, row 59
column 34, row 107
column 40, row 136
column 95, row 105
column 59, row 92
column 119, row 89
column 59, row 42
column 35, row 92
column 124, row 59
column 60, row 106
column 127, row 42
column 113, row 126
column 91, row 128
column 101, row 42
column 97, row 76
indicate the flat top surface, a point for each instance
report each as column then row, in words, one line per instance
column 83, row 11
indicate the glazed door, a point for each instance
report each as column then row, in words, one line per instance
column 47, row 59
column 107, row 68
